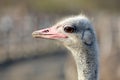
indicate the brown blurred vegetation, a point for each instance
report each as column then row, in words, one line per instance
column 25, row 58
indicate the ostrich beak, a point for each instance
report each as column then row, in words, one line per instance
column 49, row 33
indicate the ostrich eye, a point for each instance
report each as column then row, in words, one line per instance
column 69, row 29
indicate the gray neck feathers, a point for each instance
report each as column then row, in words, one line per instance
column 86, row 59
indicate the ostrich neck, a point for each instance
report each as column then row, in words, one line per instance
column 87, row 63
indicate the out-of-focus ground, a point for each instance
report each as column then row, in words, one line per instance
column 25, row 58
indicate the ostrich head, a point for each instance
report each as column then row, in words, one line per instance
column 71, row 32
column 77, row 34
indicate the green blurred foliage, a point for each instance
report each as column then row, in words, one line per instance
column 66, row 5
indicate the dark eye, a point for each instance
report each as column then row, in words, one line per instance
column 69, row 29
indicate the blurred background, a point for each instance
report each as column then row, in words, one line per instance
column 25, row 58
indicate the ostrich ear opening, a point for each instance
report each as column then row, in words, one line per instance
column 87, row 37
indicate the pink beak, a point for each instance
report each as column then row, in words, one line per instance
column 49, row 33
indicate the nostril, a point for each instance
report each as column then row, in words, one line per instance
column 45, row 31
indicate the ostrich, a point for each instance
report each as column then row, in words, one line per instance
column 76, row 33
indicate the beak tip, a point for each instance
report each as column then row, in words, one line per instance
column 34, row 34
